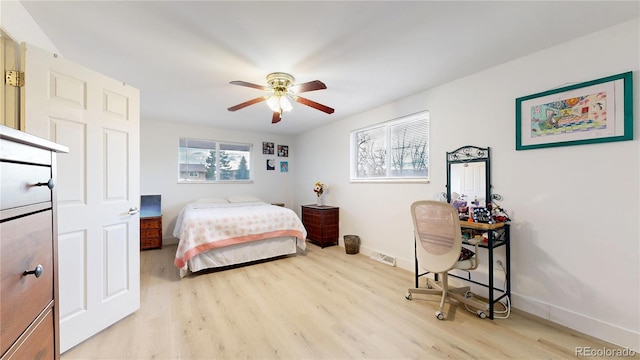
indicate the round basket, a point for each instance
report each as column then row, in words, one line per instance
column 352, row 244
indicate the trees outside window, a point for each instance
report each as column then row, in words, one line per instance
column 395, row 150
column 214, row 161
column 243, row 170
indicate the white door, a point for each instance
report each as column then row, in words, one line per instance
column 468, row 180
column 98, row 183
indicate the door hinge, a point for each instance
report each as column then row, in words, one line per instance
column 14, row 78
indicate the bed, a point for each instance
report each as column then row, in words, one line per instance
column 221, row 232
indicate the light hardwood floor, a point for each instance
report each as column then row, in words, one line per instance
column 320, row 304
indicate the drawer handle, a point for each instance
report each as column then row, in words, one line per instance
column 37, row 271
column 50, row 184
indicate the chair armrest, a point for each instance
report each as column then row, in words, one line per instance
column 475, row 241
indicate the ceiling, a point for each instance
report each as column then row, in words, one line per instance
column 182, row 54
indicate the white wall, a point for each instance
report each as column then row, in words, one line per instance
column 20, row 26
column 575, row 235
column 159, row 168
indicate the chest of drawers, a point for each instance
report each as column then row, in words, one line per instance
column 321, row 223
column 28, row 247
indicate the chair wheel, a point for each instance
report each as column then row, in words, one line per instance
column 439, row 315
column 482, row 314
column 408, row 296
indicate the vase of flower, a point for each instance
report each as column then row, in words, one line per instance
column 318, row 189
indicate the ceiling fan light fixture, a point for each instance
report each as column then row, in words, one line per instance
column 273, row 103
column 281, row 91
column 279, row 103
column 280, row 80
column 285, row 105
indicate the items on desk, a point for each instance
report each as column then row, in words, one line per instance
column 499, row 214
column 482, row 215
column 490, row 214
column 484, row 237
column 460, row 205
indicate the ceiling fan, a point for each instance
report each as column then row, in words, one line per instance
column 281, row 88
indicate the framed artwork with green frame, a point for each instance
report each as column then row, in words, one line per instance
column 591, row 112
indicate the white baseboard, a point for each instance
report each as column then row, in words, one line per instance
column 401, row 263
column 612, row 333
column 405, row 264
column 593, row 327
column 169, row 241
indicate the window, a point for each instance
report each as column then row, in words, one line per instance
column 213, row 161
column 396, row 150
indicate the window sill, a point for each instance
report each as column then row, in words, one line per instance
column 391, row 181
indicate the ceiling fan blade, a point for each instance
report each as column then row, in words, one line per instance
column 308, row 86
column 276, row 117
column 313, row 104
column 247, row 103
column 248, row 84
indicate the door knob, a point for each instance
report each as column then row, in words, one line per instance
column 134, row 210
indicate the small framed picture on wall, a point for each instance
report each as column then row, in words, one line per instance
column 267, row 148
column 283, row 150
column 271, row 164
column 284, row 166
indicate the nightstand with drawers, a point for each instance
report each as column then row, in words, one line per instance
column 150, row 232
column 150, row 222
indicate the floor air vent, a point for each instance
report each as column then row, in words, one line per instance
column 385, row 259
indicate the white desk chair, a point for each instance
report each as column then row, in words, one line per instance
column 438, row 243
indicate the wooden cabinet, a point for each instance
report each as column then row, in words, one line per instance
column 151, row 232
column 150, row 222
column 29, row 315
column 321, row 223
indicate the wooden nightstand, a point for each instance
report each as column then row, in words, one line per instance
column 321, row 223
column 150, row 222
column 151, row 232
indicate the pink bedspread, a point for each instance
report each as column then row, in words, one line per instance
column 202, row 227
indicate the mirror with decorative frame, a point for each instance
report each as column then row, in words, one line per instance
column 469, row 178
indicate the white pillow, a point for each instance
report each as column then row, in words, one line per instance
column 242, row 198
column 211, row 200
column 209, row 205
